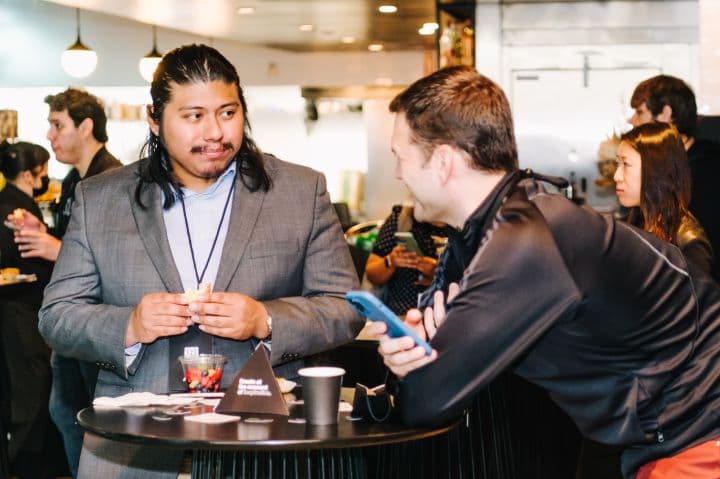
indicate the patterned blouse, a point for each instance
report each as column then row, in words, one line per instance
column 400, row 293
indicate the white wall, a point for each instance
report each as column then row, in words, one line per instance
column 562, row 110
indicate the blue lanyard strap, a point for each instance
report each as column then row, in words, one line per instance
column 199, row 276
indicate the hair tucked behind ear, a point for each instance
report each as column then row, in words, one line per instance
column 185, row 65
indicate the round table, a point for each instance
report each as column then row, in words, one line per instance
column 280, row 447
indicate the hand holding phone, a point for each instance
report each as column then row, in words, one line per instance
column 407, row 239
column 373, row 309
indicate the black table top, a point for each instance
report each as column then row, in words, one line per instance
column 139, row 425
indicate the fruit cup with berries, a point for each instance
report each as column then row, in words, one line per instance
column 202, row 373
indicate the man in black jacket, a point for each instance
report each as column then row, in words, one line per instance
column 613, row 322
column 77, row 134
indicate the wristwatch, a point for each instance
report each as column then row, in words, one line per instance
column 386, row 259
column 269, row 326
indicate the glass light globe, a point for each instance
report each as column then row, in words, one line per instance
column 78, row 60
column 148, row 64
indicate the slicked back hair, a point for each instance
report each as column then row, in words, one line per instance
column 460, row 107
column 18, row 157
column 185, row 65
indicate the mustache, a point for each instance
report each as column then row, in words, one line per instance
column 199, row 149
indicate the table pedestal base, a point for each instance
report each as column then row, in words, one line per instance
column 321, row 463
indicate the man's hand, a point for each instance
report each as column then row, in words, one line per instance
column 434, row 317
column 401, row 355
column 230, row 315
column 157, row 315
column 34, row 243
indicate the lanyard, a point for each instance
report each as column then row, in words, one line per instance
column 199, row 276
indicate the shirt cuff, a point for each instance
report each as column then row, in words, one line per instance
column 131, row 353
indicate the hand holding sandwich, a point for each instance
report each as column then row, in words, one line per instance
column 157, row 315
column 230, row 315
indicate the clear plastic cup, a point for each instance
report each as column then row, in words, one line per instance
column 202, row 373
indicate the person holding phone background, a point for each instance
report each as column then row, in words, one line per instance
column 401, row 273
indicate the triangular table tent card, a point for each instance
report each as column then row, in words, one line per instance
column 254, row 390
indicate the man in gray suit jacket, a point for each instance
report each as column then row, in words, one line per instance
column 204, row 206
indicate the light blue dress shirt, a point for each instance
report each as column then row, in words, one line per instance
column 204, row 212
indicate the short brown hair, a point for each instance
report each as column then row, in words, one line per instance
column 665, row 179
column 80, row 105
column 661, row 90
column 460, row 107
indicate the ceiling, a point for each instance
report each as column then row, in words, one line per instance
column 275, row 23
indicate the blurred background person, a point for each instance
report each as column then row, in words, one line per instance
column 668, row 99
column 653, row 181
column 77, row 133
column 26, row 387
column 402, row 274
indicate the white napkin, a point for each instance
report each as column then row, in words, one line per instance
column 212, row 418
column 143, row 399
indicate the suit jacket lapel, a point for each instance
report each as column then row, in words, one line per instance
column 151, row 228
column 246, row 208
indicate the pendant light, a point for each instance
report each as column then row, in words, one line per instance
column 149, row 62
column 78, row 60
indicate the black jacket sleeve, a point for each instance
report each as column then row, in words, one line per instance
column 516, row 287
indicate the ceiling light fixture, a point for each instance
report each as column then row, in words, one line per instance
column 245, row 10
column 306, row 27
column 348, row 39
column 78, row 60
column 149, row 62
column 428, row 28
column 387, row 9
column 375, row 47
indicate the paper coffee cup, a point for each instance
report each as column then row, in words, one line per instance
column 321, row 394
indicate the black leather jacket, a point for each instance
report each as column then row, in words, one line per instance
column 614, row 323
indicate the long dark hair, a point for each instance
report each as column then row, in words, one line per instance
column 194, row 64
column 21, row 156
column 665, row 179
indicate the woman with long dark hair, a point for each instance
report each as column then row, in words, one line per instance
column 653, row 181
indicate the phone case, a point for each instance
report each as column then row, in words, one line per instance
column 408, row 240
column 374, row 309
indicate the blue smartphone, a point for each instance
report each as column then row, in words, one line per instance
column 372, row 308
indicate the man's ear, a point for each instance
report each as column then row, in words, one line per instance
column 445, row 157
column 154, row 126
column 86, row 127
column 665, row 115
